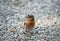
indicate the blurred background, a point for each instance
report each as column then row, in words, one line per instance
column 47, row 17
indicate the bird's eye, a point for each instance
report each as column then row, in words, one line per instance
column 24, row 23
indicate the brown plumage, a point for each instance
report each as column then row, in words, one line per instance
column 29, row 23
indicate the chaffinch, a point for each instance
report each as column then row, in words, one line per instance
column 29, row 23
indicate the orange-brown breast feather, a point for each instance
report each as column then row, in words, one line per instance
column 29, row 24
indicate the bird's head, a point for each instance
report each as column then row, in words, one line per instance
column 30, row 17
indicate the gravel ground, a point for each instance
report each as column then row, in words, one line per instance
column 47, row 17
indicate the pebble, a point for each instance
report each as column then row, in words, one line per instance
column 0, row 29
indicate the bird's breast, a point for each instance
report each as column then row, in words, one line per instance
column 29, row 24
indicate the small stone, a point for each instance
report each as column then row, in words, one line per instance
column 0, row 29
column 0, row 24
column 12, row 30
column 58, row 14
column 38, row 40
column 36, row 31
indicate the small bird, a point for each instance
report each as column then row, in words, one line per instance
column 29, row 23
